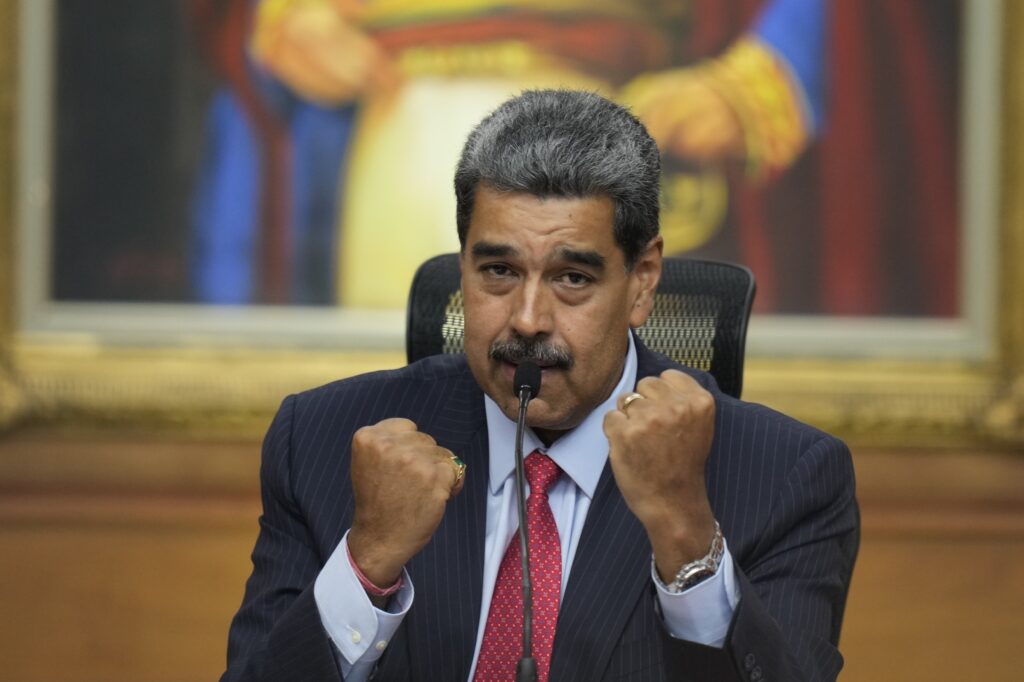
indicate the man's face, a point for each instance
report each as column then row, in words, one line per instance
column 543, row 279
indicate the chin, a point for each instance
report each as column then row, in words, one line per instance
column 544, row 418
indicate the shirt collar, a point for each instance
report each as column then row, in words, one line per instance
column 580, row 453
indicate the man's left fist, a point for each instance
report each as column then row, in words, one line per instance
column 659, row 440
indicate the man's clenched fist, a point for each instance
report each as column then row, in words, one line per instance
column 659, row 442
column 401, row 480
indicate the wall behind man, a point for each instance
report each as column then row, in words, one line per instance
column 124, row 558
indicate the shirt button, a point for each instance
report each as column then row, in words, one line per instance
column 356, row 637
column 382, row 645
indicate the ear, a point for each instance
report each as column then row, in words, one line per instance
column 644, row 280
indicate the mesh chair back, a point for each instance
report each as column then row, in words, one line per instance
column 700, row 315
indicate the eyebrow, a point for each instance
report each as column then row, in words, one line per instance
column 589, row 258
column 491, row 250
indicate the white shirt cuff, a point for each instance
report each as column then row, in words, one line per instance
column 702, row 613
column 360, row 631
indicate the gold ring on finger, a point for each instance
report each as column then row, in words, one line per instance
column 629, row 399
column 460, row 469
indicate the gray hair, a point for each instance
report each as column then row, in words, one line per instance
column 566, row 143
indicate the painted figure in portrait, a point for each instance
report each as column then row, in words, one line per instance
column 812, row 140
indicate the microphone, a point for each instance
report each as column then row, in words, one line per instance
column 527, row 378
column 525, row 385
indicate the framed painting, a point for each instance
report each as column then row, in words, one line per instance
column 194, row 226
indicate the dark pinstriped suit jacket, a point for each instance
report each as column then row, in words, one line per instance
column 782, row 491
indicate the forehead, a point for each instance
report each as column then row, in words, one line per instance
column 531, row 223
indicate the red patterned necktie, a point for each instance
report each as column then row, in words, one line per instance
column 503, row 637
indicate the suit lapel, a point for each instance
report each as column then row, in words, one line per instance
column 610, row 572
column 448, row 573
column 649, row 363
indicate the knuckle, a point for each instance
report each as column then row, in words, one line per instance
column 647, row 382
column 677, row 378
column 363, row 437
column 425, row 440
column 704, row 402
column 613, row 427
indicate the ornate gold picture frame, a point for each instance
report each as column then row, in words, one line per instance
column 222, row 385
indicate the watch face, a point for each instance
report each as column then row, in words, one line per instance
column 701, row 569
column 696, row 577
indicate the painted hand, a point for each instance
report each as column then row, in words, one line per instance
column 686, row 115
column 319, row 51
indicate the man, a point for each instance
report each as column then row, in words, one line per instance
column 680, row 534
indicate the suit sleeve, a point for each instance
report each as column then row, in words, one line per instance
column 277, row 633
column 793, row 584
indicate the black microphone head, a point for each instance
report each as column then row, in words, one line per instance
column 527, row 377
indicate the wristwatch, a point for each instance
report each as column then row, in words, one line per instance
column 696, row 571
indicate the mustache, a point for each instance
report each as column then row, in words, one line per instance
column 518, row 350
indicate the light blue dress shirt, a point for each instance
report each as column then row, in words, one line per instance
column 362, row 632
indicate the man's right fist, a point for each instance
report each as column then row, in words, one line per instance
column 402, row 481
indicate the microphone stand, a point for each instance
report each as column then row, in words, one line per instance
column 527, row 384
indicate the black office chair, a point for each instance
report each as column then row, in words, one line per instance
column 700, row 315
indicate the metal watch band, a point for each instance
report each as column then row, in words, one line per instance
column 696, row 571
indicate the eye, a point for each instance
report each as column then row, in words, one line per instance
column 575, row 279
column 496, row 270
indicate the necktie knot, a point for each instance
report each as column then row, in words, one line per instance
column 541, row 472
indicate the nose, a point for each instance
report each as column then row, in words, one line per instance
column 532, row 311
